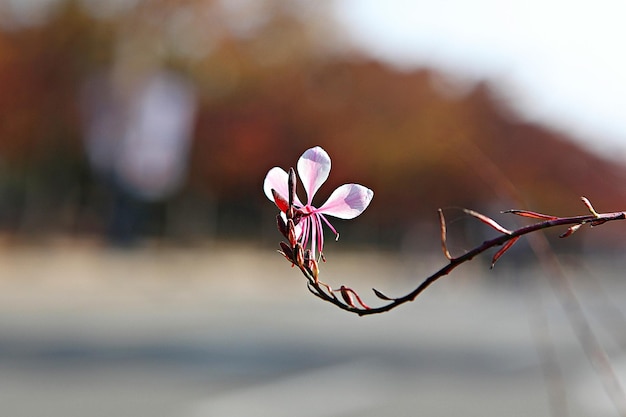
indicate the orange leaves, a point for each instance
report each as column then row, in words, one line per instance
column 530, row 214
column 505, row 248
column 486, row 220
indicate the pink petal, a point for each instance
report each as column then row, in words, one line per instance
column 277, row 178
column 347, row 201
column 313, row 168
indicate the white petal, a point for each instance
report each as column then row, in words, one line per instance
column 347, row 201
column 276, row 179
column 313, row 168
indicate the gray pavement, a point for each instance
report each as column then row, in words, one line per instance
column 232, row 331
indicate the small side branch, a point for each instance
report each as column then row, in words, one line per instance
column 444, row 243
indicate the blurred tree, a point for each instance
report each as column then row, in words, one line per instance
column 273, row 78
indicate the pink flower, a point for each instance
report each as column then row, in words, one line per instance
column 346, row 202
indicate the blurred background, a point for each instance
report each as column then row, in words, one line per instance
column 138, row 274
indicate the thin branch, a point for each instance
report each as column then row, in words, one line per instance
column 562, row 288
column 506, row 238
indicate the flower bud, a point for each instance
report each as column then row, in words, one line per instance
column 299, row 255
column 287, row 252
column 291, row 233
column 282, row 226
column 291, row 184
column 315, row 269
column 347, row 296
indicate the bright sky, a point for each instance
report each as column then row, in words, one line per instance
column 563, row 62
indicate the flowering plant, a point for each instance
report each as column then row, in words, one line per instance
column 346, row 202
column 302, row 225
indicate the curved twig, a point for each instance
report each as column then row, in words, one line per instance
column 309, row 267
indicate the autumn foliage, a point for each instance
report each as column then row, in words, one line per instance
column 265, row 94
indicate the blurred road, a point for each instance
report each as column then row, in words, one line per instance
column 232, row 331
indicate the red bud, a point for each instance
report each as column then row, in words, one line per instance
column 347, row 296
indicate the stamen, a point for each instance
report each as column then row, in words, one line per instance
column 314, row 238
column 330, row 226
column 305, row 231
column 320, row 231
